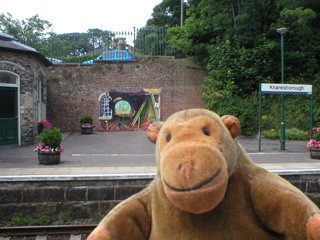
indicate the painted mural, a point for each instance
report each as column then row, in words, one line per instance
column 127, row 108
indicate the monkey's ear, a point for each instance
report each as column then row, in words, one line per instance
column 233, row 124
column 153, row 131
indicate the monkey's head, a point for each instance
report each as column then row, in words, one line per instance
column 196, row 154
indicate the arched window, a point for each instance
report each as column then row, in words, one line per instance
column 7, row 78
column 105, row 111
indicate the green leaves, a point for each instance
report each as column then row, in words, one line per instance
column 237, row 44
column 32, row 28
column 167, row 14
column 86, row 119
column 51, row 137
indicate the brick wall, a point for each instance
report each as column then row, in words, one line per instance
column 73, row 90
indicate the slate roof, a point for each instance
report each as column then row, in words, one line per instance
column 9, row 44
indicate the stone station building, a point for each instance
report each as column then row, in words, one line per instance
column 23, row 92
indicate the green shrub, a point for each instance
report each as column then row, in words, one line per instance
column 96, row 67
column 63, row 219
column 120, row 66
column 245, row 109
column 99, row 216
column 271, row 134
column 51, row 137
column 296, row 134
column 19, row 219
column 291, row 134
column 86, row 119
column 79, row 59
column 44, row 220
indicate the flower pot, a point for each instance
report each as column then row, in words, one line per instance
column 315, row 153
column 49, row 158
column 86, row 130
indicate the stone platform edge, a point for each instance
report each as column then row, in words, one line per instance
column 127, row 176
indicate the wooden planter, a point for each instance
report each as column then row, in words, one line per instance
column 86, row 130
column 315, row 153
column 49, row 158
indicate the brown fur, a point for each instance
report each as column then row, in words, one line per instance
column 207, row 187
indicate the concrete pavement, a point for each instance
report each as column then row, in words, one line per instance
column 130, row 154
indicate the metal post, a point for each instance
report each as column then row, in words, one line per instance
column 51, row 47
column 311, row 121
column 181, row 20
column 282, row 126
column 260, row 118
column 134, row 41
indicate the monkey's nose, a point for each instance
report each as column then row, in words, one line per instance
column 184, row 165
column 185, row 169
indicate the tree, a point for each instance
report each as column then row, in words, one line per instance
column 69, row 45
column 302, row 43
column 99, row 38
column 237, row 44
column 167, row 14
column 34, row 33
column 31, row 29
column 152, row 41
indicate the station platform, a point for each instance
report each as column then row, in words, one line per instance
column 105, row 155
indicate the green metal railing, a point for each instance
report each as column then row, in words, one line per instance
column 81, row 47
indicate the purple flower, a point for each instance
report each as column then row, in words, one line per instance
column 87, row 125
column 47, row 149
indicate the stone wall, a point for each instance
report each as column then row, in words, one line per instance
column 73, row 90
column 75, row 200
column 87, row 199
column 29, row 69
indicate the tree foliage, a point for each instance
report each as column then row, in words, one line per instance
column 152, row 39
column 32, row 28
column 237, row 44
column 99, row 38
column 35, row 33
column 90, row 42
column 167, row 14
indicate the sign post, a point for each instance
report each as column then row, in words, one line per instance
column 275, row 88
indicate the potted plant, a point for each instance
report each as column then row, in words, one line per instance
column 50, row 148
column 87, row 125
column 314, row 145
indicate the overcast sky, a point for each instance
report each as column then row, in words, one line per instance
column 78, row 16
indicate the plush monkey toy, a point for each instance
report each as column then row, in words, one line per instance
column 207, row 187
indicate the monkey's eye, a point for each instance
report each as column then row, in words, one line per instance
column 206, row 131
column 168, row 137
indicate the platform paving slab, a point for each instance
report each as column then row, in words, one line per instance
column 112, row 153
